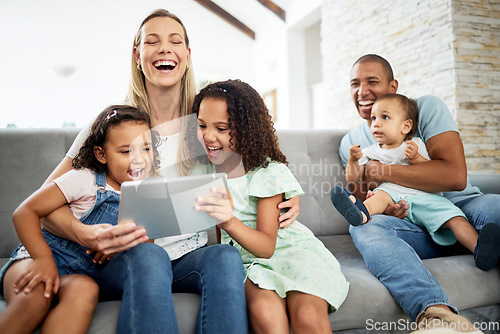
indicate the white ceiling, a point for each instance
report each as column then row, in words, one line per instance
column 251, row 12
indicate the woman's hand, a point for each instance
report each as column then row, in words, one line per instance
column 41, row 270
column 287, row 218
column 219, row 206
column 108, row 239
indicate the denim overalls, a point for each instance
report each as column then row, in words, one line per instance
column 141, row 276
column 71, row 257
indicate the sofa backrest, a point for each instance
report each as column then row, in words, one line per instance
column 314, row 159
column 28, row 156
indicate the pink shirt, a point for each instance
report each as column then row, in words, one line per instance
column 80, row 189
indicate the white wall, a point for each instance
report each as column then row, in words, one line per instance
column 95, row 36
column 283, row 63
column 447, row 48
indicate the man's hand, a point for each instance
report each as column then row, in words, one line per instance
column 373, row 173
column 397, row 210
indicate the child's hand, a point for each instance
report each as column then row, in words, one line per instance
column 220, row 206
column 41, row 270
column 411, row 151
column 355, row 152
column 100, row 257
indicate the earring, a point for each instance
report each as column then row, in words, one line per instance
column 187, row 67
column 139, row 67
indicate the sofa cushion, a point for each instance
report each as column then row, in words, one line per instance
column 28, row 157
column 466, row 286
column 314, row 159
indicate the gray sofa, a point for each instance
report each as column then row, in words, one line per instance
column 29, row 155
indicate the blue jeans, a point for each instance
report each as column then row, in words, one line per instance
column 144, row 276
column 481, row 210
column 393, row 250
column 141, row 277
column 217, row 274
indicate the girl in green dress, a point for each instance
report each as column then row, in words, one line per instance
column 291, row 277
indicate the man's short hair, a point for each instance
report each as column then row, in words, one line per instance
column 373, row 58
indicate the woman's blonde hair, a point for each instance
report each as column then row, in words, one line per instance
column 137, row 95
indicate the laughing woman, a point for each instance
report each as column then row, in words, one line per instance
column 162, row 84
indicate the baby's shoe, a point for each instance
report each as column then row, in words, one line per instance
column 352, row 211
column 487, row 251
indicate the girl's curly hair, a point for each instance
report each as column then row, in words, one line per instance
column 249, row 122
column 111, row 116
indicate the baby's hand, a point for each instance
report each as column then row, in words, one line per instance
column 355, row 152
column 41, row 270
column 411, row 151
column 220, row 205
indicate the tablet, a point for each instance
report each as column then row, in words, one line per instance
column 165, row 206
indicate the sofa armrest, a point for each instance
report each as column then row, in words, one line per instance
column 487, row 183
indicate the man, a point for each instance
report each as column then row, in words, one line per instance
column 392, row 247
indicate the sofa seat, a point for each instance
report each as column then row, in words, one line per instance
column 466, row 286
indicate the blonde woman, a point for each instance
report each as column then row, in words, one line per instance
column 162, row 84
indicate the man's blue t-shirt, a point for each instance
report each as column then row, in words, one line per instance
column 433, row 118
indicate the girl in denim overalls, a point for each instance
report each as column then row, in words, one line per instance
column 119, row 148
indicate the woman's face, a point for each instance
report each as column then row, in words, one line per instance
column 162, row 53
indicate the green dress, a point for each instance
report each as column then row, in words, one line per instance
column 300, row 262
